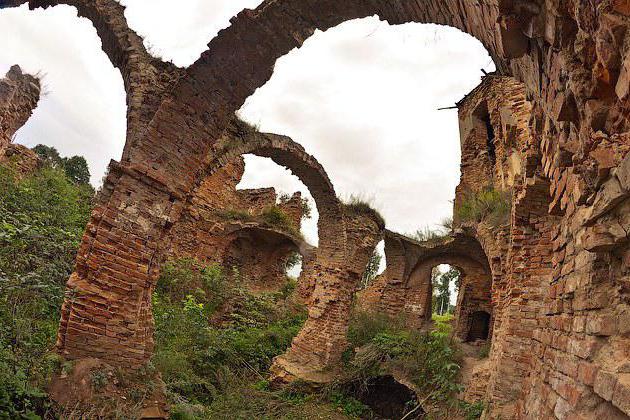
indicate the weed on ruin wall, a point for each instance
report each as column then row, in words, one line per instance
column 487, row 205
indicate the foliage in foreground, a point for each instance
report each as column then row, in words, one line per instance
column 42, row 218
column 383, row 346
column 212, row 336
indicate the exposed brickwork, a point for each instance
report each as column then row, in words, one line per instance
column 19, row 95
column 559, row 268
column 224, row 225
column 405, row 290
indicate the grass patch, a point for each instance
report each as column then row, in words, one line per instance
column 239, row 215
column 430, row 235
column 358, row 205
column 489, row 205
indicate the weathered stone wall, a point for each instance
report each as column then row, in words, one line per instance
column 404, row 289
column 494, row 131
column 567, row 247
column 19, row 95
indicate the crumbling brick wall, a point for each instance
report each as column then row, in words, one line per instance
column 224, row 225
column 404, row 289
column 573, row 59
column 19, row 95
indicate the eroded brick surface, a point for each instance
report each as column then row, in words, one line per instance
column 19, row 95
column 559, row 266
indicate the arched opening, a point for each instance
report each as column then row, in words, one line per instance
column 384, row 126
column 263, row 172
column 388, row 398
column 78, row 82
column 262, row 258
column 445, row 280
column 479, row 326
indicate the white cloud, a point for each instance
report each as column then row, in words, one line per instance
column 362, row 97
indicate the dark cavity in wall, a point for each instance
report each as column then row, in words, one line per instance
column 388, row 398
column 479, row 326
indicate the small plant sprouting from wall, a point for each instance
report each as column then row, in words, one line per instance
column 305, row 205
column 235, row 215
column 428, row 234
column 275, row 216
column 357, row 204
column 487, row 205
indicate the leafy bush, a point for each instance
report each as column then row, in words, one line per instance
column 364, row 326
column 42, row 219
column 184, row 277
column 383, row 345
column 206, row 340
column 487, row 205
column 275, row 216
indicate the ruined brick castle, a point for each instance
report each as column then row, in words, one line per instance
column 550, row 287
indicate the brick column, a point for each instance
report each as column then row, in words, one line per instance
column 319, row 345
column 107, row 312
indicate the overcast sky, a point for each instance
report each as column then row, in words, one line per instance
column 362, row 98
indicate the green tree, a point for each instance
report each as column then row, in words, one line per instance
column 371, row 270
column 75, row 167
column 49, row 155
column 441, row 288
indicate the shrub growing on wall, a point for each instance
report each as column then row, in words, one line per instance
column 487, row 205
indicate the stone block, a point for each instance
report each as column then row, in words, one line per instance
column 605, row 384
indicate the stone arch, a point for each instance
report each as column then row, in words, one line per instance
column 347, row 237
column 405, row 287
column 260, row 254
column 240, row 140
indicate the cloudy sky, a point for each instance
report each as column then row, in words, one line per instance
column 362, row 98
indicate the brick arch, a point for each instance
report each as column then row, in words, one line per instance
column 405, row 289
column 145, row 78
column 285, row 152
column 330, row 275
